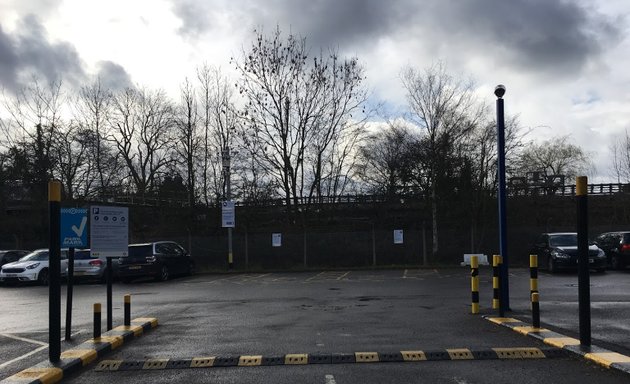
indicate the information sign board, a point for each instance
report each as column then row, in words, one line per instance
column 109, row 231
column 73, row 228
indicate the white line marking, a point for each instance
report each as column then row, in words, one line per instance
column 23, row 356
column 405, row 274
column 24, row 339
column 344, row 275
column 311, row 278
column 330, row 379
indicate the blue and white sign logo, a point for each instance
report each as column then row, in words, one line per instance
column 74, row 227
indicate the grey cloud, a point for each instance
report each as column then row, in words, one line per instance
column 113, row 75
column 8, row 61
column 552, row 36
column 29, row 51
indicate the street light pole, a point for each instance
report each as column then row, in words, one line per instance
column 504, row 302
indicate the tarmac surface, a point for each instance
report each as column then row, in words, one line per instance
column 327, row 313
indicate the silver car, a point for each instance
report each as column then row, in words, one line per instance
column 87, row 267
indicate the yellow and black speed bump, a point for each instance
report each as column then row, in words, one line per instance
column 334, row 358
column 72, row 360
column 564, row 344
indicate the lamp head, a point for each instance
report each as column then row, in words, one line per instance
column 499, row 90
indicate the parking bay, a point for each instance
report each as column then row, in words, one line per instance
column 330, row 311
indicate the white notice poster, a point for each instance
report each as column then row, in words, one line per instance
column 398, row 236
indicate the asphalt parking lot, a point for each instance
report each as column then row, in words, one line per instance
column 327, row 312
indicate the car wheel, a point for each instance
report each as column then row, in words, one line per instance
column 163, row 276
column 42, row 278
column 615, row 263
column 551, row 266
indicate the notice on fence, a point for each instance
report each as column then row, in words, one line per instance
column 398, row 236
column 109, row 231
column 276, row 239
column 228, row 219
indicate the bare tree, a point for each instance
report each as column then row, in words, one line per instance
column 620, row 150
column 35, row 116
column 188, row 139
column 386, row 159
column 70, row 149
column 219, row 119
column 557, row 156
column 297, row 110
column 142, row 131
column 446, row 110
column 92, row 114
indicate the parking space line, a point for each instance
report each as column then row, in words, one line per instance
column 344, row 275
column 313, row 277
column 330, row 379
column 24, row 356
column 31, row 341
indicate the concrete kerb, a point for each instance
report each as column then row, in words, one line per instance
column 601, row 356
column 82, row 355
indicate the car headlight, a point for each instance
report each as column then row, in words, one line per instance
column 601, row 253
column 33, row 266
column 560, row 255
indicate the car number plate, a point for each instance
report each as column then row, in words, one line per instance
column 135, row 267
column 10, row 274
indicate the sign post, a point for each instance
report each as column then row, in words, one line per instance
column 73, row 234
column 109, row 234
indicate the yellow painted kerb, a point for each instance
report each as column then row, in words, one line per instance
column 607, row 358
column 581, row 182
column 561, row 342
column 501, row 320
column 44, row 375
column 86, row 355
column 526, row 330
column 54, row 190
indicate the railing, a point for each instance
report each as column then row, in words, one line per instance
column 182, row 201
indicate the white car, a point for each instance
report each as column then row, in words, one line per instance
column 32, row 267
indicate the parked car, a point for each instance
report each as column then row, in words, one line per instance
column 88, row 267
column 617, row 248
column 32, row 267
column 11, row 255
column 559, row 251
column 160, row 260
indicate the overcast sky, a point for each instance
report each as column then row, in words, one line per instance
column 565, row 63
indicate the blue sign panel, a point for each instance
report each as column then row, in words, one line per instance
column 74, row 227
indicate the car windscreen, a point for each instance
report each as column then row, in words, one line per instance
column 36, row 256
column 566, row 240
column 140, row 250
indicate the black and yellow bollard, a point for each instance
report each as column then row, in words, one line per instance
column 535, row 310
column 496, row 262
column 97, row 320
column 474, row 283
column 127, row 310
column 533, row 274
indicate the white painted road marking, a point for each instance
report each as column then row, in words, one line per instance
column 330, row 379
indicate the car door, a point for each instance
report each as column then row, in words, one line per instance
column 175, row 255
column 164, row 255
column 64, row 262
column 182, row 258
column 541, row 247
